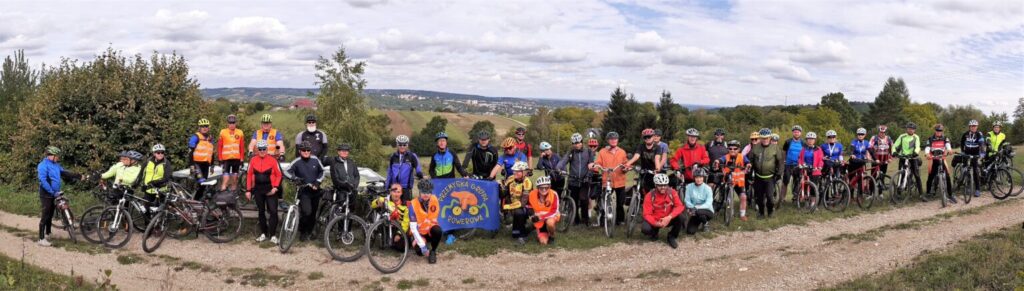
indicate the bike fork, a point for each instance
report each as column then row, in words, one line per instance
column 288, row 222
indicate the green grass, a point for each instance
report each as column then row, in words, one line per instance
column 128, row 259
column 262, row 277
column 17, row 275
column 288, row 122
column 409, row 284
column 315, row 276
column 875, row 233
column 992, row 261
column 26, row 202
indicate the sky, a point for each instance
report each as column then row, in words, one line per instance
column 718, row 52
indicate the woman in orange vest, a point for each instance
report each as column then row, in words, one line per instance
column 737, row 160
column 230, row 148
column 423, row 225
column 544, row 202
column 200, row 152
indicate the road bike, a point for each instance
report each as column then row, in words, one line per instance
column 180, row 217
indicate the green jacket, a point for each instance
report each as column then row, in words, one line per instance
column 156, row 175
column 125, row 176
column 766, row 161
column 995, row 140
column 906, row 145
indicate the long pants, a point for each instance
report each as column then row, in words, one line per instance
column 975, row 166
column 933, row 172
column 204, row 173
column 581, row 195
column 153, row 200
column 46, row 217
column 699, row 217
column 790, row 177
column 266, row 206
column 915, row 164
column 309, row 202
column 763, row 189
column 519, row 217
column 676, row 224
column 433, row 238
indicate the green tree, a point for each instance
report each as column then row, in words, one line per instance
column 92, row 110
column 483, row 125
column 668, row 113
column 923, row 115
column 579, row 118
column 838, row 103
column 955, row 118
column 1015, row 131
column 620, row 116
column 342, row 108
column 888, row 106
column 424, row 144
column 821, row 120
column 17, row 84
column 539, row 126
column 646, row 117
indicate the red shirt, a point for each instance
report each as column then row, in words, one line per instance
column 260, row 166
column 658, row 206
column 525, row 148
column 690, row 155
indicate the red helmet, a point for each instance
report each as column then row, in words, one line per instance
column 592, row 142
column 647, row 132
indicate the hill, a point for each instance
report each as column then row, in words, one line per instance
column 408, row 122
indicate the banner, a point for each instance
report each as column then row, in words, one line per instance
column 467, row 203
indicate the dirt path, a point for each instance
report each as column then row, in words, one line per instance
column 792, row 257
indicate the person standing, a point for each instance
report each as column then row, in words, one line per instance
column 690, row 154
column 444, row 163
column 307, row 170
column 664, row 147
column 879, row 146
column 610, row 157
column 316, row 138
column 344, row 171
column 156, row 175
column 907, row 146
column 200, row 153
column 791, row 153
column 274, row 138
column 230, row 149
column 51, row 175
column 548, row 160
column 579, row 160
column 973, row 144
column 263, row 183
column 766, row 162
column 522, row 146
column 482, row 155
column 402, row 166
column 936, row 149
column 649, row 155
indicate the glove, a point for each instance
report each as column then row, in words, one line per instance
column 280, row 158
column 248, row 155
column 529, row 172
column 59, row 193
column 419, row 176
column 534, row 218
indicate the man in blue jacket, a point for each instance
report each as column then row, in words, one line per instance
column 401, row 167
column 50, row 172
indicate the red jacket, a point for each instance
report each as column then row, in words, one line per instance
column 263, row 166
column 657, row 206
column 690, row 155
column 817, row 156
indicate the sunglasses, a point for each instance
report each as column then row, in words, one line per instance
column 648, row 137
column 305, row 151
column 393, row 190
column 662, row 186
column 158, row 153
column 230, row 122
column 262, row 150
column 734, row 149
column 403, row 145
column 310, row 122
column 205, row 126
column 520, row 134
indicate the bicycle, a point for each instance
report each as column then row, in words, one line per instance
column 608, row 202
column 63, row 218
column 634, row 212
column 866, row 186
column 116, row 222
column 807, row 194
column 723, row 197
column 963, row 176
column 907, row 183
column 346, row 232
column 939, row 183
column 566, row 205
column 1003, row 159
column 387, row 243
column 885, row 187
column 835, row 192
column 180, row 216
column 290, row 225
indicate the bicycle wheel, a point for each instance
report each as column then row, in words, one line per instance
column 1001, row 184
column 884, row 187
column 809, row 200
column 222, row 224
column 68, row 219
column 323, row 216
column 964, row 185
column 728, row 213
column 289, row 228
column 608, row 207
column 836, row 196
column 567, row 209
column 776, row 195
column 345, row 238
column 176, row 225
column 387, row 246
column 115, row 227
column 1015, row 181
column 940, row 189
column 89, row 223
column 155, row 233
column 868, row 192
column 138, row 213
column 633, row 214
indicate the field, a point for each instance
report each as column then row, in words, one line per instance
column 459, row 124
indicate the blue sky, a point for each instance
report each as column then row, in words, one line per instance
column 704, row 52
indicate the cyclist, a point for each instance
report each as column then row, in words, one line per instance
column 508, row 159
column 907, row 146
column 767, row 162
column 423, row 225
column 483, row 156
column 996, row 140
column 880, row 147
column 200, row 153
column 973, row 144
column 859, row 154
column 263, row 182
column 398, row 209
column 127, row 171
column 579, row 161
column 344, row 171
column 833, row 154
column 522, row 146
column 608, row 158
column 791, row 152
column 317, row 139
column 156, row 175
column 813, row 156
column 737, row 160
column 775, row 138
column 51, row 175
column 514, row 199
column 662, row 145
column 402, row 165
column 595, row 178
column 717, row 148
column 230, row 149
column 548, row 161
column 662, row 209
column 649, row 155
column 698, row 200
column 691, row 153
column 544, row 202
column 939, row 143
column 755, row 139
column 444, row 163
column 307, row 169
column 274, row 138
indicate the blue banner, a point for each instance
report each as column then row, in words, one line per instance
column 467, row 203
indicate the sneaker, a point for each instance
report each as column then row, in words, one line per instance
column 451, row 240
column 262, row 238
column 952, row 200
column 705, row 227
column 672, row 243
column 521, row 241
column 596, row 223
column 44, row 242
column 432, row 258
column 977, row 193
column 743, row 218
column 273, row 240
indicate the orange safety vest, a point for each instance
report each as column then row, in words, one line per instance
column 425, row 219
column 231, row 148
column 737, row 176
column 203, row 152
column 271, row 140
column 543, row 207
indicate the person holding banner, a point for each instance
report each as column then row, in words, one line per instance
column 513, row 200
column 544, row 203
column 510, row 157
column 423, row 215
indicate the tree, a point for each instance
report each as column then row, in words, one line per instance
column 923, row 115
column 424, row 142
column 889, row 104
column 342, row 108
column 668, row 112
column 539, row 126
column 1015, row 131
column 579, row 118
column 619, row 118
column 838, row 103
column 821, row 120
column 955, row 118
column 483, row 125
column 17, row 84
column 93, row 110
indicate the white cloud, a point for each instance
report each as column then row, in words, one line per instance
column 365, row 3
column 179, row 26
column 648, row 41
column 828, row 52
column 510, row 44
column 689, row 56
column 780, row 69
column 266, row 32
column 750, row 79
column 555, row 56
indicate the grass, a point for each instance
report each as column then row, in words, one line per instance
column 26, row 202
column 992, row 261
column 17, row 275
column 874, row 234
column 129, row 259
column 262, row 277
column 315, row 276
column 663, row 273
column 408, row 284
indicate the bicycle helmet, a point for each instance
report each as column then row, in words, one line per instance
column 519, row 166
column 611, row 135
column 305, row 146
column 700, row 172
column 911, row 125
column 830, row 133
column 543, row 181
column 123, row 154
column 797, row 127
column 509, row 142
column 692, row 132
column 483, row 134
column 134, row 155
column 520, row 130
column 647, row 132
column 755, row 135
column 862, row 131
column 719, row 131
column 972, row 123
column 883, row 128
column 311, row 117
column 344, row 147
column 764, row 133
column 576, row 138
column 657, row 132
column 158, row 148
column 660, row 179
column 733, row 143
column 402, row 139
column 592, row 142
column 812, row 135
column 939, row 127
column 545, row 146
column 204, row 122
column 52, row 150
column 440, row 135
column 261, row 144
column 997, row 124
column 232, row 118
column 775, row 137
column 265, row 118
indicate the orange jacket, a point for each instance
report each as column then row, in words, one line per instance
column 424, row 218
column 231, row 144
column 547, row 208
column 609, row 158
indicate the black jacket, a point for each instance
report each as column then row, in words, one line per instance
column 344, row 178
column 483, row 160
column 306, row 171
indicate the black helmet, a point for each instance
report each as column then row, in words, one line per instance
column 657, row 132
column 483, row 134
column 719, row 131
column 611, row 135
column 311, row 117
column 911, row 125
column 520, row 130
column 939, row 127
column 344, row 147
column 305, row 146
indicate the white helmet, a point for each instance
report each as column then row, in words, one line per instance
column 519, row 166
column 158, row 148
column 261, row 144
column 660, row 179
column 692, row 132
column 972, row 123
column 997, row 123
column 576, row 138
column 862, row 131
column 811, row 135
column 402, row 139
column 545, row 146
column 830, row 133
column 543, row 181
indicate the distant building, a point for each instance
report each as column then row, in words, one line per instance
column 303, row 104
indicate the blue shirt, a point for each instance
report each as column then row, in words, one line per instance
column 699, row 197
column 792, row 149
column 507, row 161
column 859, row 148
column 833, row 152
column 49, row 177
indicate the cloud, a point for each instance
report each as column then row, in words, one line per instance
column 780, row 69
column 646, row 42
column 689, row 56
column 179, row 26
column 265, row 32
column 365, row 3
column 750, row 79
column 629, row 60
column 490, row 42
column 22, row 42
column 555, row 56
column 828, row 52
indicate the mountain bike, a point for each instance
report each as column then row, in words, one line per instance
column 835, row 193
column 181, row 216
column 884, row 184
column 864, row 186
column 807, row 191
column 939, row 183
column 345, row 233
column 963, row 176
column 566, row 205
column 387, row 243
column 997, row 180
column 116, row 222
column 608, row 200
column 907, row 183
column 290, row 225
column 634, row 214
column 723, row 197
column 63, row 217
column 1003, row 159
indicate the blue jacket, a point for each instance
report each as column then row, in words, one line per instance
column 49, row 178
column 699, row 197
column 791, row 150
column 550, row 163
column 507, row 161
column 859, row 148
column 833, row 152
column 401, row 167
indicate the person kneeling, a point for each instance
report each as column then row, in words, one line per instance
column 698, row 202
column 544, row 203
column 662, row 209
column 423, row 225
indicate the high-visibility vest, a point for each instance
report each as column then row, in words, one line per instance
column 271, row 140
column 152, row 172
column 204, row 149
column 995, row 139
column 231, row 148
column 425, row 218
column 737, row 176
